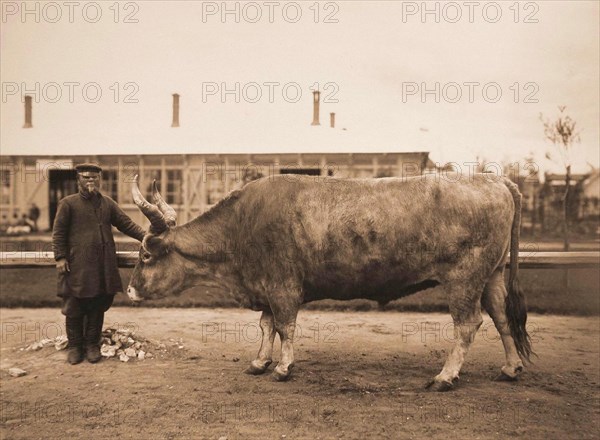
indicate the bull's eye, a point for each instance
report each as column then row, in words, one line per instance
column 146, row 256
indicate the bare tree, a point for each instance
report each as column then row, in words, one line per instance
column 561, row 132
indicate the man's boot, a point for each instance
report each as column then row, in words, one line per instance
column 93, row 335
column 74, row 327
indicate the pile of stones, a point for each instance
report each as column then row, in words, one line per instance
column 60, row 343
column 124, row 344
column 120, row 343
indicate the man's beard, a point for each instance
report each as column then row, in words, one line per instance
column 89, row 188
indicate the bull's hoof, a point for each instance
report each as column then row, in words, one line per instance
column 507, row 375
column 257, row 369
column 252, row 370
column 502, row 377
column 281, row 375
column 441, row 386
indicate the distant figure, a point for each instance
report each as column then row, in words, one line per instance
column 26, row 224
column 34, row 215
column 19, row 225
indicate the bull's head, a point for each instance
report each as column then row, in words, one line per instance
column 160, row 270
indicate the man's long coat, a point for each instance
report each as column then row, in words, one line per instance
column 82, row 234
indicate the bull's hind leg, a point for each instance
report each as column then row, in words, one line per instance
column 465, row 308
column 494, row 302
column 265, row 354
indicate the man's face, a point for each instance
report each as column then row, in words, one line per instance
column 89, row 181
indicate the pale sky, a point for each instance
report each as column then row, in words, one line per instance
column 367, row 56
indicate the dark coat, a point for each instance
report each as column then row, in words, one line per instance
column 82, row 233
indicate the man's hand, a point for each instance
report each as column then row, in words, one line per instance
column 63, row 266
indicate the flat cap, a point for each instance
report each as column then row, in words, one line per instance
column 88, row 167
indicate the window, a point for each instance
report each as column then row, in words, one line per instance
column 109, row 184
column 173, row 187
column 296, row 170
column 169, row 185
column 146, row 181
column 215, row 189
column 4, row 187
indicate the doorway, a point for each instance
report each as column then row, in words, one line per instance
column 62, row 184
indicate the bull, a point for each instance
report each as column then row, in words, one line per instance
column 283, row 241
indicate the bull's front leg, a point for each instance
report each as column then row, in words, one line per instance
column 265, row 354
column 285, row 311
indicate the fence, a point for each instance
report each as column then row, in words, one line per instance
column 532, row 260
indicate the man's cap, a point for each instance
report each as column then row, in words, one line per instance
column 88, row 167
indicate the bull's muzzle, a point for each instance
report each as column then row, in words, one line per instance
column 133, row 294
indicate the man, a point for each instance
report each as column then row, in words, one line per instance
column 86, row 259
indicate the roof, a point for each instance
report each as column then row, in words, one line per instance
column 104, row 129
column 559, row 179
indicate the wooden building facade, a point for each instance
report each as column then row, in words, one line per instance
column 191, row 183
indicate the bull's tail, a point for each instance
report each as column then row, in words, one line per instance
column 516, row 304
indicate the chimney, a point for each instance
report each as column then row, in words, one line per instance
column 316, row 98
column 175, row 110
column 27, row 112
column 332, row 120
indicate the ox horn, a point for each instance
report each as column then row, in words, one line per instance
column 157, row 220
column 168, row 212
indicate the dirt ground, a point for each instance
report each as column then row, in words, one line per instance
column 357, row 375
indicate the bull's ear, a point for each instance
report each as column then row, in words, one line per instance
column 156, row 245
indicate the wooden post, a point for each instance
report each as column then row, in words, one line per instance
column 566, row 209
column 119, row 176
column 202, row 185
column 185, row 194
column 375, row 166
column 534, row 213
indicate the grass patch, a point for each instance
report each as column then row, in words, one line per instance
column 545, row 290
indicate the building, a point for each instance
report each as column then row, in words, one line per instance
column 590, row 198
column 194, row 164
column 191, row 183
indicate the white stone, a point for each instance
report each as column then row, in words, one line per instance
column 108, row 350
column 16, row 372
column 61, row 342
column 35, row 346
